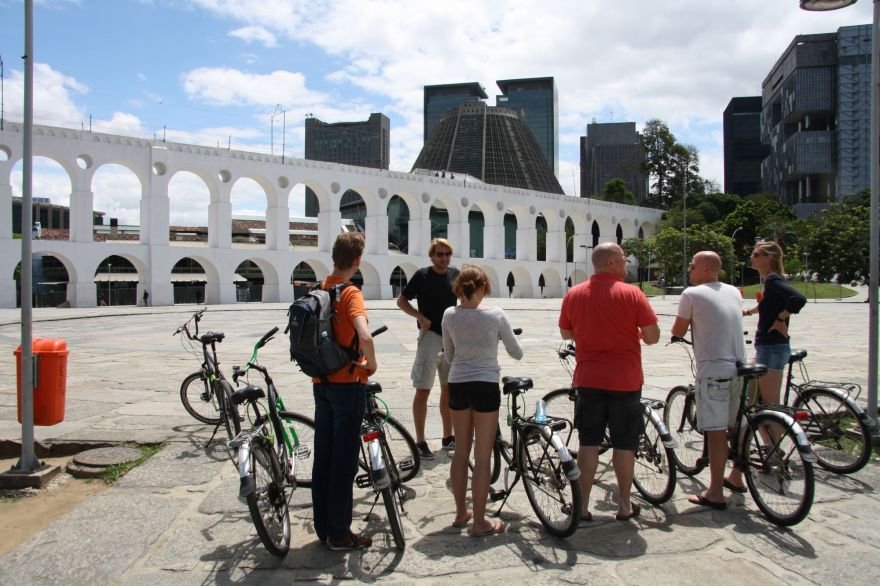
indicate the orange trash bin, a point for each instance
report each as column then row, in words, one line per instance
column 51, row 384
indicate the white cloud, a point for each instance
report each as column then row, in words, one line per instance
column 53, row 96
column 255, row 34
column 227, row 87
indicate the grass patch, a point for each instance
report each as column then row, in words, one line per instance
column 810, row 290
column 114, row 473
column 649, row 288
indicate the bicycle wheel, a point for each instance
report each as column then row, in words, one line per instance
column 494, row 460
column 654, row 473
column 559, row 403
column 680, row 417
column 230, row 415
column 198, row 398
column 841, row 441
column 391, row 498
column 268, row 502
column 780, row 481
column 403, row 448
column 304, row 447
column 555, row 499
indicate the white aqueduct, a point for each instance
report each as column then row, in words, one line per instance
column 82, row 153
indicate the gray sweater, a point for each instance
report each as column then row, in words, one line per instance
column 470, row 343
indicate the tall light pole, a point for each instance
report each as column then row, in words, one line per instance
column 874, row 261
column 684, row 219
column 586, row 260
column 283, row 113
column 733, row 238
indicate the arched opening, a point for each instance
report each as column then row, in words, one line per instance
column 188, row 202
column 116, row 282
column 248, row 283
column 50, row 280
column 248, row 200
column 541, row 235
column 477, row 222
column 510, row 226
column 51, row 204
column 511, row 283
column 358, row 279
column 439, row 217
column 398, row 281
column 398, row 225
column 117, row 192
column 569, row 240
column 303, row 279
column 641, row 233
column 353, row 211
column 188, row 279
column 596, row 233
column 550, row 284
column 619, row 234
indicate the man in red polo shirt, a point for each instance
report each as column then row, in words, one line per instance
column 608, row 319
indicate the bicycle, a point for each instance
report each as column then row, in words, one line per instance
column 837, row 427
column 208, row 388
column 271, row 454
column 386, row 472
column 654, row 473
column 768, row 446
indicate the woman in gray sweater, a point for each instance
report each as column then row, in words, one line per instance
column 471, row 332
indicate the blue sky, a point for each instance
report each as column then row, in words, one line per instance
column 211, row 71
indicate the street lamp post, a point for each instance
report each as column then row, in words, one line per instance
column 684, row 234
column 733, row 238
column 109, row 279
column 586, row 260
column 283, row 113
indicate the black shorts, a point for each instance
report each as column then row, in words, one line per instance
column 478, row 396
column 620, row 411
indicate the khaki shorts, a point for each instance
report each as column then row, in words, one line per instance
column 429, row 361
column 717, row 402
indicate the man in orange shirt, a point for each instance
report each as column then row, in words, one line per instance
column 340, row 402
column 608, row 320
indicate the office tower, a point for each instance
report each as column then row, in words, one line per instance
column 816, row 119
column 743, row 149
column 537, row 98
column 363, row 144
column 439, row 99
column 612, row 150
column 492, row 144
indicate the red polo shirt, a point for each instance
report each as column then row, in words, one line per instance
column 605, row 315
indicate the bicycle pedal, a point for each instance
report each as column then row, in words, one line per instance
column 497, row 495
column 406, row 464
column 302, row 452
column 363, row 481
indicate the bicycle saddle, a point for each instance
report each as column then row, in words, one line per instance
column 212, row 337
column 751, row 369
column 248, row 393
column 515, row 383
column 373, row 387
column 797, row 356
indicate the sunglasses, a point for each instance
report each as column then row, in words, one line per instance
column 759, row 253
column 442, row 254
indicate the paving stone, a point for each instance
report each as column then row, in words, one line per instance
column 109, row 456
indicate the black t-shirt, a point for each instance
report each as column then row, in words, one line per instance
column 433, row 292
column 778, row 296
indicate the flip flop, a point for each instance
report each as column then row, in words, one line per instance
column 734, row 488
column 496, row 528
column 636, row 510
column 566, row 510
column 701, row 500
column 463, row 524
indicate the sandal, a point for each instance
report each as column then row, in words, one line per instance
column 566, row 510
column 734, row 488
column 701, row 500
column 635, row 511
column 463, row 524
column 494, row 530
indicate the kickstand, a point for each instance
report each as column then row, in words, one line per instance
column 375, row 500
column 216, row 427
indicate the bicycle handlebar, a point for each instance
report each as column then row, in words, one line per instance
column 379, row 330
column 677, row 340
column 517, row 331
column 266, row 337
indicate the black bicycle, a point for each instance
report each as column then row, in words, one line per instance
column 767, row 444
column 274, row 455
column 654, row 473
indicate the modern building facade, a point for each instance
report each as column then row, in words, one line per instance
column 492, row 144
column 538, row 100
column 609, row 151
column 439, row 99
column 743, row 149
column 362, row 144
column 816, row 119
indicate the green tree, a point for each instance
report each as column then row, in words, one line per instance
column 837, row 242
column 658, row 143
column 642, row 250
column 615, row 190
column 668, row 247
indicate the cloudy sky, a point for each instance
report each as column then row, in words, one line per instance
column 214, row 71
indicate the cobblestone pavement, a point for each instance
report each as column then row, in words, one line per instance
column 177, row 519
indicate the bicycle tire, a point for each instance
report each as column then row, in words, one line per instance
column 555, row 499
column 402, row 446
column 391, row 498
column 304, row 450
column 558, row 403
column 494, row 460
column 679, row 416
column 841, row 441
column 230, row 415
column 268, row 501
column 779, row 479
column 198, row 398
column 654, row 472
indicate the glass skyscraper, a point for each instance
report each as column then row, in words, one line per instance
column 537, row 98
column 442, row 98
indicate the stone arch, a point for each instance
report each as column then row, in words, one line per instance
column 552, row 283
column 51, row 275
column 399, row 217
column 123, row 195
column 186, row 190
column 121, row 274
column 476, row 228
column 400, row 276
column 541, row 237
column 595, row 234
column 250, row 200
column 203, row 284
column 523, row 285
column 52, row 177
column 372, row 287
column 628, row 228
column 249, row 281
column 618, row 234
column 499, row 289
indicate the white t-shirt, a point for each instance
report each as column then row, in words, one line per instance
column 715, row 312
column 470, row 343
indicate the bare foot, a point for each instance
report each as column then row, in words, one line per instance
column 462, row 520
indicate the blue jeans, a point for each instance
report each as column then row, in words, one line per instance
column 339, row 411
column 773, row 356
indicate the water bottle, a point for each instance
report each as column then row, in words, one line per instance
column 540, row 411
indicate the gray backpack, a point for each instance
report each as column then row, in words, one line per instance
column 310, row 326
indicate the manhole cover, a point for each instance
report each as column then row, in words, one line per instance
column 104, row 457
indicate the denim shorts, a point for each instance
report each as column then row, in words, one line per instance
column 717, row 402
column 773, row 356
